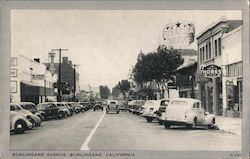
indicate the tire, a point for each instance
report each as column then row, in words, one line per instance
column 212, row 125
column 33, row 122
column 94, row 109
column 19, row 127
column 149, row 119
column 167, row 125
column 65, row 115
column 38, row 124
column 118, row 112
column 60, row 115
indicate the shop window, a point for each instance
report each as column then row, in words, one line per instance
column 201, row 60
column 203, row 53
column 209, row 50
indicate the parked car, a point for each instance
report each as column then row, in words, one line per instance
column 84, row 106
column 63, row 106
column 75, row 106
column 137, row 107
column 51, row 110
column 98, row 106
column 112, row 106
column 34, row 119
column 19, row 123
column 151, row 111
column 188, row 112
column 122, row 104
column 32, row 108
column 160, row 114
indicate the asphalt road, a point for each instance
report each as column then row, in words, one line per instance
column 124, row 131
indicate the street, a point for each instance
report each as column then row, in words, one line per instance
column 96, row 130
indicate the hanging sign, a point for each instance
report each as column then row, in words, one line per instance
column 211, row 71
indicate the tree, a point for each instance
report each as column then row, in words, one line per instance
column 156, row 66
column 104, row 92
column 116, row 92
column 123, row 86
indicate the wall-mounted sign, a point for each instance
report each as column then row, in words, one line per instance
column 13, row 86
column 13, row 62
column 38, row 77
column 211, row 71
column 178, row 35
column 13, row 72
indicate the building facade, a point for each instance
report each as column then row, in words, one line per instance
column 30, row 80
column 210, row 53
column 232, row 80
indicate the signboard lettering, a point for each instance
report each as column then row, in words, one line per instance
column 38, row 77
column 211, row 71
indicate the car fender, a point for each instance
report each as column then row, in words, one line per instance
column 208, row 119
column 16, row 118
column 190, row 118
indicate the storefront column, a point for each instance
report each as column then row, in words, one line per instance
column 207, row 97
column 199, row 94
column 224, row 96
column 215, row 97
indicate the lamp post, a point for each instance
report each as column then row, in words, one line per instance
column 59, row 74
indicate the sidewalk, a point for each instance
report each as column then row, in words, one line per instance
column 229, row 124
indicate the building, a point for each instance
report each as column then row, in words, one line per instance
column 30, row 80
column 232, row 80
column 69, row 79
column 185, row 80
column 210, row 55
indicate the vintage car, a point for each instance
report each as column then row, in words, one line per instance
column 32, row 108
column 34, row 119
column 152, row 108
column 63, row 106
column 75, row 106
column 137, row 106
column 51, row 110
column 188, row 112
column 18, row 123
column 122, row 104
column 112, row 106
column 98, row 106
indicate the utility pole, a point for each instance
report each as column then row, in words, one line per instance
column 59, row 83
column 74, row 91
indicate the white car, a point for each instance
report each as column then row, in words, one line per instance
column 151, row 111
column 188, row 112
column 34, row 119
column 18, row 123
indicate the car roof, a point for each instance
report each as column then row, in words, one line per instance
column 191, row 100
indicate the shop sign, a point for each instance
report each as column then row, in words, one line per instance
column 38, row 76
column 211, row 71
column 178, row 35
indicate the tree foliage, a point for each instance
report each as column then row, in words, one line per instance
column 116, row 92
column 158, row 66
column 124, row 86
column 104, row 92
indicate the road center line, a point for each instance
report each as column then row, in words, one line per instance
column 86, row 142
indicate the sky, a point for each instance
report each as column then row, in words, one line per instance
column 105, row 43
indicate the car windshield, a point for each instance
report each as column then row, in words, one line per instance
column 28, row 106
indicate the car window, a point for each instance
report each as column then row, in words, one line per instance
column 196, row 105
column 52, row 106
column 177, row 102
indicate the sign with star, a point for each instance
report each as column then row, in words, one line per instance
column 178, row 35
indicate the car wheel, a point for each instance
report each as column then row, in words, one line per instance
column 212, row 125
column 167, row 125
column 61, row 115
column 65, row 115
column 33, row 122
column 118, row 112
column 149, row 119
column 38, row 124
column 19, row 127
